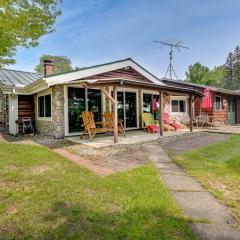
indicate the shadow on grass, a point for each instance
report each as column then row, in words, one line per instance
column 75, row 222
column 80, row 222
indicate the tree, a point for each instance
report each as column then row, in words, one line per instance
column 236, row 68
column 61, row 64
column 216, row 76
column 228, row 72
column 197, row 73
column 22, row 23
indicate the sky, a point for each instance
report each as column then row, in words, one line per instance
column 93, row 32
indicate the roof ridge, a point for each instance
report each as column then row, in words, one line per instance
column 14, row 70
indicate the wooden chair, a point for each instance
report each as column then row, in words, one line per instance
column 91, row 126
column 109, row 119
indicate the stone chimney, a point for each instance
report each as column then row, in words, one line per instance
column 48, row 67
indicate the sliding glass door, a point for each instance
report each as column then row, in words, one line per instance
column 131, row 109
column 77, row 102
column 127, row 108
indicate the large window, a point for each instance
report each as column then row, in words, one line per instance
column 151, row 104
column 218, row 103
column 77, row 102
column 44, row 106
column 179, row 105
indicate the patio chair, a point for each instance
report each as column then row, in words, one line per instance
column 91, row 126
column 202, row 120
column 168, row 120
column 109, row 119
column 148, row 119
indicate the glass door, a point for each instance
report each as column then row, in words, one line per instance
column 77, row 100
column 95, row 103
column 131, row 109
column 76, row 105
column 120, row 106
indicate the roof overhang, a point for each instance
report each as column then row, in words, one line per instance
column 30, row 89
column 94, row 83
column 91, row 71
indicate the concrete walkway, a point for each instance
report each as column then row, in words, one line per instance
column 195, row 201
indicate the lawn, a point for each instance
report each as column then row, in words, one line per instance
column 217, row 166
column 44, row 196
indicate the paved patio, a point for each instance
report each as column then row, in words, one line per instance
column 133, row 137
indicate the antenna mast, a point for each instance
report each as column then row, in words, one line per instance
column 178, row 46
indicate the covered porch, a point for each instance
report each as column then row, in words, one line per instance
column 125, row 99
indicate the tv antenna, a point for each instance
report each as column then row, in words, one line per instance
column 172, row 46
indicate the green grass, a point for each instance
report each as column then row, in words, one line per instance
column 217, row 166
column 44, row 196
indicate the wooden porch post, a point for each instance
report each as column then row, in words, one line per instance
column 115, row 122
column 191, row 112
column 86, row 97
column 161, row 112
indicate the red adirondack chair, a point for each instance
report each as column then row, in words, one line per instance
column 167, row 120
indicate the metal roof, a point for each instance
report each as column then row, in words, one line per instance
column 18, row 78
column 192, row 85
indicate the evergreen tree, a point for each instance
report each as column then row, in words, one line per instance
column 228, row 72
column 236, row 68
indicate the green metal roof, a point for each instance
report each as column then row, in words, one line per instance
column 18, row 78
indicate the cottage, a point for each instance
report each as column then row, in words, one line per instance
column 54, row 102
column 226, row 103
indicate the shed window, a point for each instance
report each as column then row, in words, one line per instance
column 44, row 106
column 178, row 105
column 218, row 103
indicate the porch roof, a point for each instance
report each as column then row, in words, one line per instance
column 119, row 82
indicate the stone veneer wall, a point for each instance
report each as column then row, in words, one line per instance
column 4, row 111
column 55, row 127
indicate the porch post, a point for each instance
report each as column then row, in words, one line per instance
column 161, row 112
column 86, row 98
column 191, row 112
column 115, row 120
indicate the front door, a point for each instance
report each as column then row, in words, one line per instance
column 232, row 111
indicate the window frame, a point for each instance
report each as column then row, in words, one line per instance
column 44, row 95
column 178, row 100
column 215, row 105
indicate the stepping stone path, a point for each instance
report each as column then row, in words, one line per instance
column 196, row 202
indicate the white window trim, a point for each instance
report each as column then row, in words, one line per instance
column 179, row 98
column 215, row 109
column 41, row 94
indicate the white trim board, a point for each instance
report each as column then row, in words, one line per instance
column 84, row 73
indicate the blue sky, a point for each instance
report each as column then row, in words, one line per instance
column 91, row 32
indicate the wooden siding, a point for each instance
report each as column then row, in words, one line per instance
column 125, row 73
column 25, row 108
column 219, row 115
